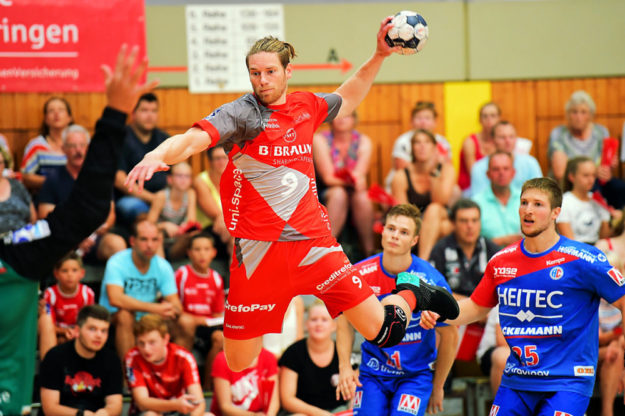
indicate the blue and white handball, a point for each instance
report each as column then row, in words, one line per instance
column 410, row 31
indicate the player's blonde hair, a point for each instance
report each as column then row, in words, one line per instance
column 548, row 186
column 285, row 50
column 149, row 323
column 407, row 210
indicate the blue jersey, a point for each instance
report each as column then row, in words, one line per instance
column 548, row 311
column 417, row 351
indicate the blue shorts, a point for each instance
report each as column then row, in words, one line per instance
column 509, row 402
column 393, row 396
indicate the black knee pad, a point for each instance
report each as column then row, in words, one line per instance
column 393, row 328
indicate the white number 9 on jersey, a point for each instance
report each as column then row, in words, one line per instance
column 289, row 180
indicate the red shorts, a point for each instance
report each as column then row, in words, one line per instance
column 266, row 275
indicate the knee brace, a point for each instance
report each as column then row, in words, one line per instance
column 393, row 328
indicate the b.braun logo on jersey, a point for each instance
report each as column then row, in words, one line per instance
column 409, row 403
column 556, row 273
column 290, row 135
column 616, row 276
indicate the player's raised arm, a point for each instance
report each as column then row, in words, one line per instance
column 356, row 87
column 173, row 150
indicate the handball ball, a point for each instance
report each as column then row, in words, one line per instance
column 410, row 31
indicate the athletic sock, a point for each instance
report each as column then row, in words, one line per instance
column 409, row 297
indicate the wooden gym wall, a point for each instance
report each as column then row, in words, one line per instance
column 534, row 107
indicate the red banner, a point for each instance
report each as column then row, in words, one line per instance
column 59, row 45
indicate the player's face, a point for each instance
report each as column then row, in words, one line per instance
column 425, row 120
column 68, row 275
column 422, row 148
column 535, row 213
column 145, row 117
column 153, row 346
column 489, row 117
column 579, row 117
column 467, row 225
column 320, row 324
column 268, row 77
column 500, row 170
column 181, row 178
column 201, row 253
column 505, row 138
column 75, row 149
column 93, row 334
column 584, row 178
column 147, row 241
column 219, row 160
column 399, row 235
column 57, row 115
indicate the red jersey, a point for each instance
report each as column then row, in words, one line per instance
column 268, row 190
column 167, row 380
column 251, row 388
column 200, row 294
column 63, row 308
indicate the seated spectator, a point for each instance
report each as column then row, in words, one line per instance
column 101, row 244
column 292, row 329
column 505, row 140
column 173, row 211
column 142, row 136
column 16, row 206
column 82, row 377
column 44, row 153
column 201, row 292
column 132, row 280
column 582, row 218
column 423, row 117
column 4, row 145
column 462, row 255
column 342, row 157
column 428, row 184
column 493, row 350
column 309, row 369
column 62, row 303
column 581, row 137
column 500, row 202
column 209, row 212
column 162, row 376
column 251, row 391
column 478, row 145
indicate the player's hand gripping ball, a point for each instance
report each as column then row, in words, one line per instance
column 410, row 31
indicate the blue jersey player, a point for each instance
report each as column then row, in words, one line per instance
column 548, row 290
column 407, row 378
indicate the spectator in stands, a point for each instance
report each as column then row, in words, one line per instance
column 173, row 211
column 500, row 201
column 162, row 376
column 292, row 329
column 580, row 136
column 462, row 255
column 342, row 156
column 142, row 136
column 201, row 292
column 582, row 218
column 44, row 153
column 309, row 369
column 493, row 351
column 428, row 184
column 251, row 391
column 82, row 377
column 132, row 280
column 423, row 116
column 101, row 244
column 62, row 303
column 4, row 145
column 16, row 206
column 478, row 145
column 505, row 140
column 209, row 212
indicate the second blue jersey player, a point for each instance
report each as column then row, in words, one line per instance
column 548, row 290
column 408, row 378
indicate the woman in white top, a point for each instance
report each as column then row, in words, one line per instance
column 582, row 218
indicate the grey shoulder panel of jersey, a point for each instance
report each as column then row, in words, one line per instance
column 334, row 102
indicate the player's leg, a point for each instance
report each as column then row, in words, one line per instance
column 372, row 398
column 563, row 403
column 241, row 353
column 411, row 395
column 372, row 318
